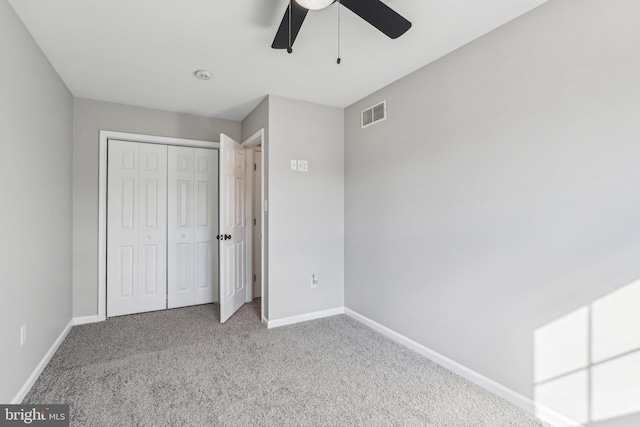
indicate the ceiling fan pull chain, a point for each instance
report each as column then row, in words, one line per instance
column 339, row 60
column 289, row 49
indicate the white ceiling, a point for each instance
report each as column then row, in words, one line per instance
column 144, row 52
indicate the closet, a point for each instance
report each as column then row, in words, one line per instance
column 162, row 222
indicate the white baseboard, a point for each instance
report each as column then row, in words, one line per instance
column 86, row 319
column 543, row 413
column 40, row 367
column 304, row 317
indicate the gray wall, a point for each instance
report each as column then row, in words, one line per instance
column 89, row 118
column 35, row 190
column 258, row 119
column 502, row 191
column 306, row 210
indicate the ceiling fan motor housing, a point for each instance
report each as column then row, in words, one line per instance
column 314, row 4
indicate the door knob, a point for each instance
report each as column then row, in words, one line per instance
column 184, row 235
column 149, row 236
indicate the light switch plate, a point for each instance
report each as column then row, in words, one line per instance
column 294, row 165
column 303, row 165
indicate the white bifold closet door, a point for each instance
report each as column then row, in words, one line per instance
column 137, row 224
column 192, row 226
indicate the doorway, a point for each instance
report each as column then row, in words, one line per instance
column 255, row 146
column 162, row 216
column 244, row 199
column 238, row 194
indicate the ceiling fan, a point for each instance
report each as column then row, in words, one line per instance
column 374, row 12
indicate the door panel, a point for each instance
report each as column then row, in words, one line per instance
column 128, row 200
column 127, row 272
column 206, row 225
column 136, row 224
column 150, row 266
column 180, row 229
column 203, row 270
column 193, row 215
column 232, row 222
column 183, row 265
column 152, row 235
column 238, row 200
column 122, row 244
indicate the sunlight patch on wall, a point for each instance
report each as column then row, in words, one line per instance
column 567, row 395
column 616, row 323
column 587, row 363
column 562, row 346
column 616, row 387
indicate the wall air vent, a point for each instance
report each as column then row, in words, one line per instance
column 375, row 114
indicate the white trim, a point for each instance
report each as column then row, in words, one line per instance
column 155, row 139
column 40, row 367
column 102, row 228
column 250, row 145
column 264, row 280
column 86, row 319
column 105, row 136
column 248, row 214
column 254, row 139
column 304, row 317
column 252, row 142
column 545, row 414
column 265, row 321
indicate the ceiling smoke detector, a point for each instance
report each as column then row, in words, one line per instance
column 203, row 74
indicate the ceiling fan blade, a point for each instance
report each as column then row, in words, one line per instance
column 298, row 13
column 379, row 15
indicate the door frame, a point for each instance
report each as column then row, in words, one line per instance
column 105, row 136
column 257, row 209
column 249, row 144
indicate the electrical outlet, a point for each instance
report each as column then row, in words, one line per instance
column 303, row 165
column 294, row 165
column 23, row 334
column 314, row 280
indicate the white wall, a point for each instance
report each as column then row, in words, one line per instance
column 306, row 210
column 502, row 191
column 35, row 193
column 258, row 119
column 90, row 117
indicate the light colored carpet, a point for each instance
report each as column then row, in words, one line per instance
column 182, row 367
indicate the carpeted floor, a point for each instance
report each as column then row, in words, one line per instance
column 182, row 367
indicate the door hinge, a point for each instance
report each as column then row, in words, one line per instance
column 254, row 167
column 254, row 221
column 254, row 277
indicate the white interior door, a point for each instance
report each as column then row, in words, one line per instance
column 205, row 227
column 180, row 228
column 192, row 215
column 136, row 227
column 233, row 223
